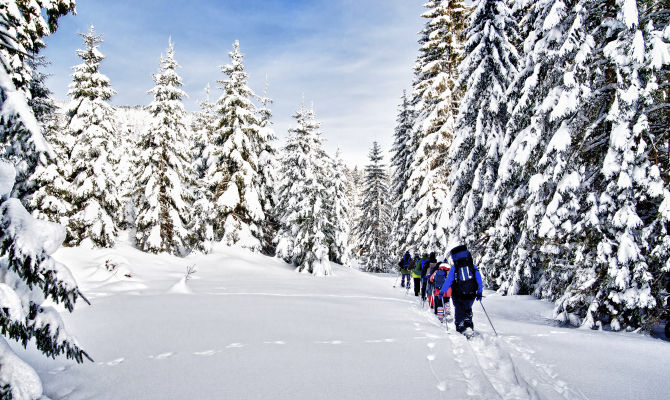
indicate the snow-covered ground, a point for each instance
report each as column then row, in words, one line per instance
column 249, row 327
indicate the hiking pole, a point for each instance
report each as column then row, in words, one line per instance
column 444, row 313
column 487, row 317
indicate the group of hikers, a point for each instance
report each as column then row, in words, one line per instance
column 439, row 282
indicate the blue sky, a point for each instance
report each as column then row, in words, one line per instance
column 352, row 58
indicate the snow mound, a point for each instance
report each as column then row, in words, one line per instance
column 180, row 287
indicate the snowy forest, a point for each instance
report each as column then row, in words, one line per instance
column 536, row 132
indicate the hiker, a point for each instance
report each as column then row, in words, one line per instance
column 437, row 279
column 405, row 267
column 426, row 264
column 466, row 283
column 416, row 273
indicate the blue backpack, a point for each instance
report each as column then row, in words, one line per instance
column 440, row 278
column 465, row 283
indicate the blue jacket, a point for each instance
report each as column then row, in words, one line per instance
column 450, row 280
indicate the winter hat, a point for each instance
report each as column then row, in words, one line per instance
column 433, row 259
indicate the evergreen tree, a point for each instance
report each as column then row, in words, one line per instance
column 375, row 224
column 46, row 192
column 302, row 198
column 615, row 181
column 237, row 185
column 201, row 228
column 542, row 101
column 354, row 188
column 267, row 167
column 338, row 212
column 436, row 100
column 164, row 170
column 95, row 200
column 486, row 71
column 28, row 274
column 401, row 162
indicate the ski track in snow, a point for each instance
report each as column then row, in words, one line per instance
column 496, row 367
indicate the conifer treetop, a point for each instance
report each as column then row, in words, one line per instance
column 87, row 81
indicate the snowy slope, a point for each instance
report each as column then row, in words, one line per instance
column 249, row 327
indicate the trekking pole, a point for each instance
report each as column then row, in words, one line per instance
column 444, row 313
column 487, row 317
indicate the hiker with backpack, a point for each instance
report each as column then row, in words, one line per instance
column 416, row 273
column 440, row 302
column 466, row 286
column 405, row 267
column 426, row 264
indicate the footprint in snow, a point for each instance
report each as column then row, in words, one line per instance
column 380, row 341
column 234, row 346
column 330, row 342
column 431, row 345
column 442, row 386
column 162, row 356
column 278, row 342
column 431, row 357
column 57, row 370
column 205, row 353
column 115, row 362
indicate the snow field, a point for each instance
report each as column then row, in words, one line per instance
column 252, row 328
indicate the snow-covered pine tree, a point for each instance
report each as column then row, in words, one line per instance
column 338, row 212
column 239, row 216
column 375, row 225
column 164, row 170
column 602, row 210
column 302, row 197
column 268, row 167
column 655, row 20
column 486, row 71
column 354, row 188
column 541, row 100
column 400, row 163
column 47, row 193
column 28, row 275
column 95, row 199
column 22, row 58
column 436, row 99
column 201, row 229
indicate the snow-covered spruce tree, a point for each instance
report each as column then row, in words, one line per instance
column 46, row 194
column 486, row 71
column 302, row 197
column 28, row 275
column 374, row 227
column 21, row 51
column 436, row 98
column 239, row 217
column 354, row 187
column 655, row 20
column 338, row 212
column 401, row 161
column 201, row 231
column 613, row 195
column 268, row 167
column 95, row 200
column 164, row 168
column 542, row 99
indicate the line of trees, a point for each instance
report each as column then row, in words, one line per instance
column 537, row 133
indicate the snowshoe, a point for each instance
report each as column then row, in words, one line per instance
column 440, row 314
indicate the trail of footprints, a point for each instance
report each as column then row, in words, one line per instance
column 237, row 345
